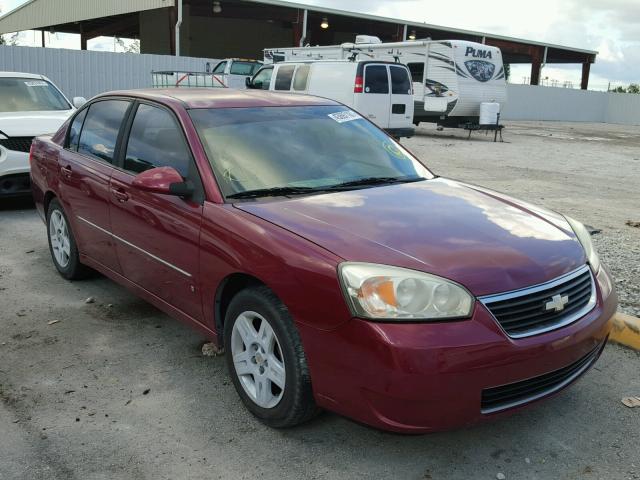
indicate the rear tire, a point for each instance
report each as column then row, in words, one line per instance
column 62, row 244
column 266, row 360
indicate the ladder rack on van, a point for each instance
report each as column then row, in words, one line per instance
column 178, row 78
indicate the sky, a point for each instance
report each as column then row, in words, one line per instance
column 612, row 27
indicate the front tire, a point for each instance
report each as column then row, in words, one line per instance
column 62, row 244
column 266, row 360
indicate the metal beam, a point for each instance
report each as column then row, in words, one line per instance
column 178, row 25
column 586, row 68
column 303, row 38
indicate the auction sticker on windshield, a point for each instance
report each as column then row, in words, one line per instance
column 345, row 116
column 36, row 83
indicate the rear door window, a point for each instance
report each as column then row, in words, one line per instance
column 75, row 129
column 301, row 78
column 376, row 79
column 244, row 68
column 284, row 77
column 156, row 140
column 101, row 127
column 400, row 82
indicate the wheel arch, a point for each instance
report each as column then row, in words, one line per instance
column 47, row 200
column 227, row 289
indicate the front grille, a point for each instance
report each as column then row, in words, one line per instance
column 18, row 144
column 508, row 396
column 532, row 311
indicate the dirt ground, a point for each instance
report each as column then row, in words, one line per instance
column 117, row 390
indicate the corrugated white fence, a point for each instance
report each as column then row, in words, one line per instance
column 87, row 73
column 527, row 102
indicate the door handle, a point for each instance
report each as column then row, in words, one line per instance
column 120, row 195
column 66, row 171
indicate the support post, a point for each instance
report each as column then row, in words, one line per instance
column 405, row 34
column 303, row 38
column 177, row 28
column 586, row 68
column 42, row 43
column 83, row 38
column 536, row 63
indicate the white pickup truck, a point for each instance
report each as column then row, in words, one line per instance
column 232, row 72
column 228, row 73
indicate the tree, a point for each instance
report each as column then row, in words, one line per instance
column 133, row 47
column 632, row 88
column 507, row 71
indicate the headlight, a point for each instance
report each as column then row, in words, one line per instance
column 393, row 293
column 585, row 239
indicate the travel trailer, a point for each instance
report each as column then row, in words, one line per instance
column 378, row 90
column 451, row 78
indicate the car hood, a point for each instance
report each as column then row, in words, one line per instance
column 486, row 241
column 30, row 124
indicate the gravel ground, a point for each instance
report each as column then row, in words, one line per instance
column 116, row 390
column 590, row 172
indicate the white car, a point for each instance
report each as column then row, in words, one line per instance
column 30, row 105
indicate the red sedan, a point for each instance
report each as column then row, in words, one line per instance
column 336, row 270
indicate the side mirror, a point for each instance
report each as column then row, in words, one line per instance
column 163, row 180
column 247, row 82
column 79, row 101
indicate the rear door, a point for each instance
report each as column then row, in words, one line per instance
column 401, row 97
column 375, row 100
column 158, row 235
column 86, row 166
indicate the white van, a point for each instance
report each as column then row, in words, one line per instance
column 451, row 78
column 380, row 91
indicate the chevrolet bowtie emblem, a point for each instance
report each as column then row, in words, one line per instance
column 557, row 303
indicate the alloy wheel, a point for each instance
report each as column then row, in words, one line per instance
column 59, row 236
column 257, row 359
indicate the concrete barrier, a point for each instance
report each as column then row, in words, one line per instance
column 626, row 330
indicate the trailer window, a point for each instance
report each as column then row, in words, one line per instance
column 400, row 83
column 284, row 77
column 376, row 79
column 417, row 71
column 300, row 80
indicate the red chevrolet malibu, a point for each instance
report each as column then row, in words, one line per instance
column 336, row 270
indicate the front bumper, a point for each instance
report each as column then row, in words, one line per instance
column 14, row 173
column 416, row 378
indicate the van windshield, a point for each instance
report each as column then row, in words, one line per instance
column 30, row 95
column 300, row 150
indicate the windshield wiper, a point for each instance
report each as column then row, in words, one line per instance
column 272, row 192
column 372, row 181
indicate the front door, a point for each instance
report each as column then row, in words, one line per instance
column 158, row 235
column 86, row 166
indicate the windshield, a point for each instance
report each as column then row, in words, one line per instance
column 244, row 68
column 252, row 149
column 30, row 95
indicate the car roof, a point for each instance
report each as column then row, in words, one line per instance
column 21, row 75
column 222, row 97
